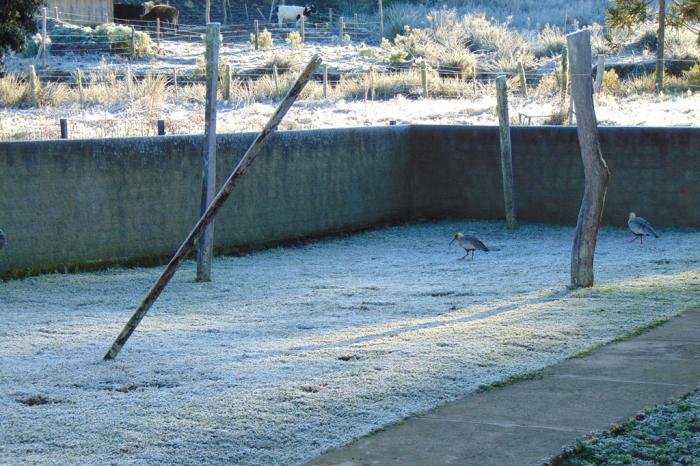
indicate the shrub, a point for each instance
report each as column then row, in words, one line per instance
column 14, row 92
column 693, row 75
column 400, row 15
column 294, row 40
column 549, row 42
column 611, row 83
column 265, row 40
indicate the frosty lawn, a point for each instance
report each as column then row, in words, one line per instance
column 293, row 350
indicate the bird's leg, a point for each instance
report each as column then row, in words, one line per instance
column 634, row 238
column 641, row 239
column 462, row 258
column 473, row 254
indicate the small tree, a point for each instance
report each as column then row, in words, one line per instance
column 17, row 19
column 681, row 14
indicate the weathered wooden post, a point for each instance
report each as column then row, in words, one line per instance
column 44, row 39
column 161, row 127
column 302, row 26
column 599, row 74
column 506, row 151
column 133, row 42
column 256, row 25
column 276, row 77
column 424, row 78
column 34, row 85
column 381, row 21
column 129, row 82
column 594, row 167
column 205, row 246
column 105, row 18
column 341, row 28
column 158, row 32
column 55, row 13
column 661, row 34
column 64, row 128
column 325, row 80
column 175, row 80
column 475, row 80
column 79, row 82
column 523, row 80
column 564, row 78
column 227, row 82
column 207, row 12
column 224, row 6
column 188, row 244
column 371, row 83
column 330, row 19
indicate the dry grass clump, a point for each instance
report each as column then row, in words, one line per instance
column 14, row 92
column 612, row 84
column 400, row 15
column 549, row 42
column 501, row 48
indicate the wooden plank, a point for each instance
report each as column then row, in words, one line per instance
column 506, row 150
column 222, row 196
column 595, row 169
column 205, row 248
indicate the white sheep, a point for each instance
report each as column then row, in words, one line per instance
column 289, row 13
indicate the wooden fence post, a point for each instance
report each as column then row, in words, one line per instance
column 129, row 82
column 79, row 80
column 341, row 28
column 64, row 128
column 207, row 13
column 599, row 74
column 523, row 80
column 302, row 25
column 595, row 169
column 205, row 246
column 325, row 80
column 227, row 82
column 330, row 19
column 475, row 80
column 188, row 244
column 34, row 85
column 158, row 32
column 661, row 34
column 55, row 13
column 506, row 151
column 133, row 42
column 564, row 78
column 175, row 79
column 44, row 39
column 381, row 21
column 256, row 25
column 276, row 77
column 371, row 83
column 424, row 78
column 161, row 127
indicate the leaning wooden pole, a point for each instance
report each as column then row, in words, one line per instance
column 506, row 151
column 594, row 167
column 188, row 245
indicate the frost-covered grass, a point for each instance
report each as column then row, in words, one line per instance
column 291, row 351
column 664, row 435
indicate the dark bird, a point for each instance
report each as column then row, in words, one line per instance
column 470, row 243
column 640, row 228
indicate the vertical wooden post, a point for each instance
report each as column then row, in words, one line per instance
column 205, row 245
column 424, row 77
column 158, row 32
column 133, row 42
column 595, row 169
column 44, row 40
column 506, row 151
column 371, row 83
column 224, row 193
column 330, row 19
column 475, row 80
column 34, row 85
column 564, row 79
column 341, row 28
column 302, row 25
column 599, row 74
column 325, row 80
column 227, row 82
column 276, row 77
column 523, row 80
column 660, row 47
column 207, row 12
column 64, row 128
column 257, row 34
column 79, row 80
column 55, row 13
column 105, row 18
column 161, row 127
column 247, row 16
column 381, row 20
column 129, row 82
column 224, row 7
column 175, row 80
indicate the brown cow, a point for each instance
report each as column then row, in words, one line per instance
column 166, row 14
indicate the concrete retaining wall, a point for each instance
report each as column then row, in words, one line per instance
column 99, row 202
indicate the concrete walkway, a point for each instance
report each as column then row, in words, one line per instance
column 528, row 422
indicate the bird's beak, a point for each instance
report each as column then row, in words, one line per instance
column 453, row 240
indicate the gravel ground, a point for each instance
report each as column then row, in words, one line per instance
column 291, row 351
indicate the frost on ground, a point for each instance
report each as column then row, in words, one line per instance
column 188, row 117
column 291, row 351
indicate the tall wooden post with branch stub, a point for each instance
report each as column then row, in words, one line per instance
column 188, row 244
column 205, row 247
column 506, row 150
column 595, row 169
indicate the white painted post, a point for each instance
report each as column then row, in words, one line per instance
column 506, row 151
column 205, row 245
